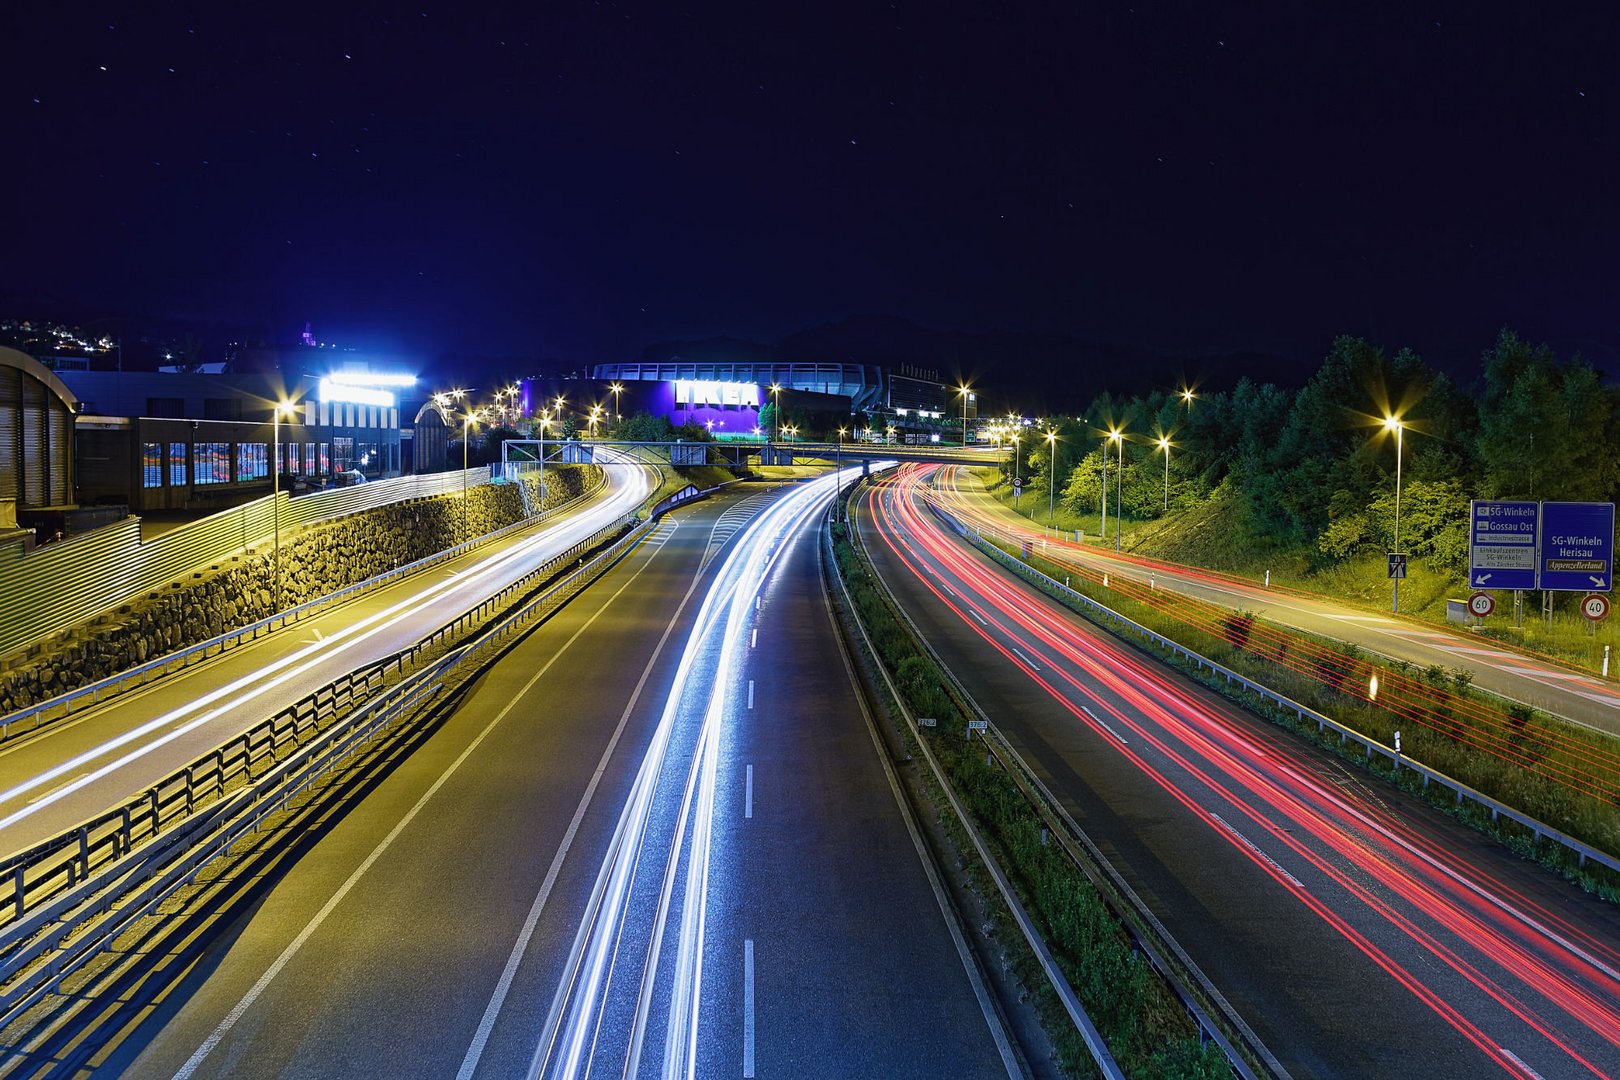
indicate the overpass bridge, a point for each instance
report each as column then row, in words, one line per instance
column 517, row 454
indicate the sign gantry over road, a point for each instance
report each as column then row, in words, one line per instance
column 1502, row 544
column 1577, row 546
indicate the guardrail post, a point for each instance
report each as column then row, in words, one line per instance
column 20, row 905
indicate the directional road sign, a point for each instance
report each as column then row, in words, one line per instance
column 1577, row 546
column 1397, row 565
column 1502, row 545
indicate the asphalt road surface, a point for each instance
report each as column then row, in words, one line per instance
column 429, row 930
column 1583, row 698
column 75, row 767
column 1357, row 931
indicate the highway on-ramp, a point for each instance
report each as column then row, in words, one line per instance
column 60, row 775
column 1584, row 698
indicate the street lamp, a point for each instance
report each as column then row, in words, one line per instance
column 838, row 471
column 1164, row 444
column 1187, row 397
column 1119, row 492
column 617, row 389
column 776, row 412
column 1018, row 480
column 275, row 495
column 1051, row 471
column 1393, row 423
column 467, row 420
column 963, row 390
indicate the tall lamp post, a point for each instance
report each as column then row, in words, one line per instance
column 1119, row 492
column 1051, row 471
column 776, row 412
column 1393, row 423
column 1187, row 397
column 275, row 496
column 964, row 390
column 838, row 472
column 467, row 420
column 1164, row 444
column 617, row 389
column 1018, row 478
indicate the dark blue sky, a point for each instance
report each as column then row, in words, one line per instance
column 580, row 179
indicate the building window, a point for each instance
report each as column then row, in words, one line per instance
column 342, row 454
column 212, row 463
column 252, row 462
column 177, row 464
column 309, row 458
column 222, row 409
column 326, row 460
column 151, row 464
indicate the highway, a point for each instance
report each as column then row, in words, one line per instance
column 658, row 837
column 1356, row 930
column 1561, row 691
column 60, row 775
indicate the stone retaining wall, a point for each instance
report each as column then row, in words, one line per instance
column 315, row 561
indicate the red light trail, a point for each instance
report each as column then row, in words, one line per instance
column 1537, row 994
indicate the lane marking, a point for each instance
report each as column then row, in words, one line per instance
column 1520, row 1062
column 1252, row 846
column 976, row 615
column 748, row 1007
column 756, row 603
column 1026, row 659
column 750, row 693
column 753, row 641
column 748, row 799
column 1104, row 724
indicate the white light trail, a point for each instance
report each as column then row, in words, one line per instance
column 151, row 735
column 667, row 824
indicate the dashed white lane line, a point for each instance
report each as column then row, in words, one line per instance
column 1520, row 1062
column 1025, row 659
column 976, row 615
column 1252, row 846
column 750, row 693
column 748, row 794
column 1104, row 725
column 748, row 1008
column 753, row 640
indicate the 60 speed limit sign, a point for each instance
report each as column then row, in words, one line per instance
column 1594, row 606
column 1481, row 604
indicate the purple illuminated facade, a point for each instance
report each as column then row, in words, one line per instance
column 724, row 408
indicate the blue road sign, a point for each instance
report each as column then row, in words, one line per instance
column 1502, row 544
column 1577, row 546
column 1397, row 565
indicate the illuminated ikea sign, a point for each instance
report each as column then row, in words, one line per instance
column 331, row 390
column 696, row 392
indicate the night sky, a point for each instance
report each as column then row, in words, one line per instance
column 579, row 179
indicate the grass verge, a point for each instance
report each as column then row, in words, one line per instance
column 1139, row 1017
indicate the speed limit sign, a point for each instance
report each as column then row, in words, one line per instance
column 1481, row 604
column 1595, row 606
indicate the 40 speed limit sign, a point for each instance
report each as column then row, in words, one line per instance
column 1595, row 606
column 1481, row 604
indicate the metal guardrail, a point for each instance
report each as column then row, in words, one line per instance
column 1147, row 934
column 91, row 574
column 64, row 704
column 1539, row 829
column 123, row 862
